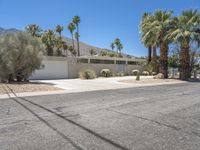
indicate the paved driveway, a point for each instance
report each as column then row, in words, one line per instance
column 145, row 118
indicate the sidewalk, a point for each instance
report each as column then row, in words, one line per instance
column 78, row 85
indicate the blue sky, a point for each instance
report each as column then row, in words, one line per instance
column 101, row 20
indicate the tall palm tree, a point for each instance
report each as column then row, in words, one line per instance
column 34, row 30
column 161, row 25
column 58, row 41
column 155, row 29
column 185, row 31
column 146, row 34
column 117, row 43
column 71, row 27
column 112, row 45
column 59, row 30
column 76, row 20
column 120, row 47
column 76, row 35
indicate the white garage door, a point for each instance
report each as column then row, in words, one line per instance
column 52, row 70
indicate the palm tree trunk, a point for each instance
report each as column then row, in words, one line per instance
column 78, row 41
column 185, row 71
column 149, row 54
column 72, row 40
column 154, row 59
column 78, row 46
column 163, row 59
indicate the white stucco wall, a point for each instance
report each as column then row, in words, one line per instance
column 68, row 68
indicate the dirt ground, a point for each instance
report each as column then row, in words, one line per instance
column 26, row 87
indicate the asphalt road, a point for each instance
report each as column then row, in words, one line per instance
column 146, row 118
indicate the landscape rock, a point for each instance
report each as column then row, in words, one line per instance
column 159, row 76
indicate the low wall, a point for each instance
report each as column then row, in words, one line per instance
column 68, row 68
column 74, row 69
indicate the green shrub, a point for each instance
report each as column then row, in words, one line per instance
column 135, row 72
column 20, row 55
column 105, row 72
column 87, row 74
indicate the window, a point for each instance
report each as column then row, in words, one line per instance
column 82, row 60
column 99, row 61
column 120, row 62
column 132, row 62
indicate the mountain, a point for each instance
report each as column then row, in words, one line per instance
column 84, row 48
column 5, row 31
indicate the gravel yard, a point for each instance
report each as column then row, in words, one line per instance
column 27, row 87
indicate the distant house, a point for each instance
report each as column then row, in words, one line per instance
column 68, row 68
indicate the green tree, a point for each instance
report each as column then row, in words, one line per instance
column 71, row 27
column 20, row 55
column 34, row 30
column 185, row 31
column 48, row 38
column 76, row 20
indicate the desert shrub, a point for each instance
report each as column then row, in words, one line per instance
column 20, row 55
column 87, row 74
column 105, row 72
column 145, row 73
column 135, row 72
column 138, row 77
column 120, row 74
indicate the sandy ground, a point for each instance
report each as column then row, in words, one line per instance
column 150, row 80
column 27, row 87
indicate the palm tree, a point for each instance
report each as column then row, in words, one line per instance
column 71, row 27
column 59, row 30
column 58, row 41
column 120, row 47
column 117, row 43
column 147, row 36
column 76, row 35
column 76, row 20
column 48, row 38
column 185, row 31
column 34, row 30
column 112, row 45
column 154, row 29
column 161, row 25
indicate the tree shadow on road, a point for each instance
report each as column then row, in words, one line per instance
column 68, row 120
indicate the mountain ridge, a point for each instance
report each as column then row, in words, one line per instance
column 84, row 47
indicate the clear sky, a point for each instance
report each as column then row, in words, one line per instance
column 101, row 20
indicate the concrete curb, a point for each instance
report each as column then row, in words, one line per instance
column 27, row 94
